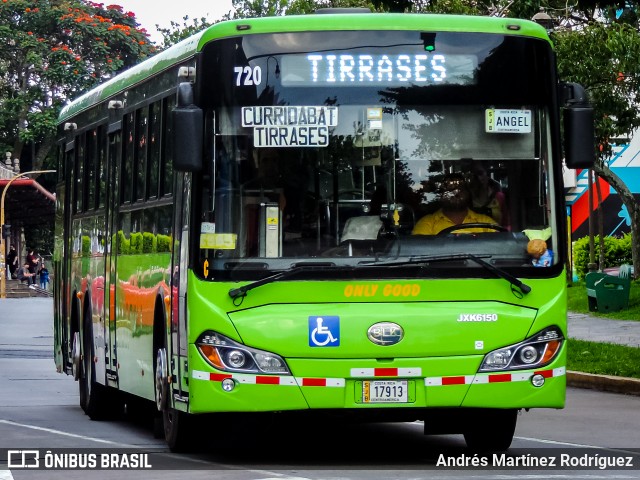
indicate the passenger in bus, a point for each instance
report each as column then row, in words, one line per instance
column 487, row 196
column 455, row 199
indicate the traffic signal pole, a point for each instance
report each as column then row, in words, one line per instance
column 3, row 252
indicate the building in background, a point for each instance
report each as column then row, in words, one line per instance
column 26, row 202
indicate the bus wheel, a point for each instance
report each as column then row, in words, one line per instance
column 177, row 430
column 92, row 395
column 161, row 378
column 176, row 424
column 493, row 430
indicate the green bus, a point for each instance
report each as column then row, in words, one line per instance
column 343, row 212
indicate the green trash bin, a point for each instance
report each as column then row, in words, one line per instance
column 608, row 293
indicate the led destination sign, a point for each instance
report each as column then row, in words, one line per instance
column 365, row 69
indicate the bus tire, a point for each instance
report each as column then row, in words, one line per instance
column 176, row 425
column 161, row 384
column 93, row 396
column 492, row 431
column 178, row 431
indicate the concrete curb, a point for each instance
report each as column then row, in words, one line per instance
column 605, row 383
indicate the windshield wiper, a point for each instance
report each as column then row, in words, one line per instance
column 418, row 259
column 414, row 260
column 294, row 270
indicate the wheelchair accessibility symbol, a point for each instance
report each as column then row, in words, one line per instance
column 324, row 331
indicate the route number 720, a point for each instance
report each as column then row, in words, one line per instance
column 248, row 76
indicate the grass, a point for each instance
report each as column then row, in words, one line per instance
column 603, row 358
column 577, row 302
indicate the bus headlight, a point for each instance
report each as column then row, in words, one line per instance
column 229, row 356
column 534, row 352
column 236, row 358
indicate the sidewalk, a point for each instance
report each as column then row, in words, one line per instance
column 623, row 332
column 585, row 327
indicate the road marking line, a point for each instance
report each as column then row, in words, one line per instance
column 67, row 434
column 570, row 476
column 577, row 445
column 5, row 475
column 125, row 445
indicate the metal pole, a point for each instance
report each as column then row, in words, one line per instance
column 3, row 273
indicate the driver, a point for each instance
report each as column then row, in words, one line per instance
column 455, row 198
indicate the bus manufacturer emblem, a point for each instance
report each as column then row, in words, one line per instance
column 385, row 333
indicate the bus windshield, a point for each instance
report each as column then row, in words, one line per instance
column 359, row 145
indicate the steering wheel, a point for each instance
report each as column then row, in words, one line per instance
column 464, row 226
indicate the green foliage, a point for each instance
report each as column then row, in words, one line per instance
column 123, row 246
column 53, row 51
column 163, row 243
column 616, row 252
column 86, row 246
column 138, row 243
column 135, row 242
column 149, row 243
column 258, row 8
column 179, row 31
column 610, row 74
column 40, row 236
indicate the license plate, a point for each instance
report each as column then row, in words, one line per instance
column 385, row 391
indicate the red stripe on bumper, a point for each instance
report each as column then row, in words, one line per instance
column 504, row 377
column 314, row 382
column 260, row 380
column 453, row 380
column 385, row 372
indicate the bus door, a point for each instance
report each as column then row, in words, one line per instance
column 114, row 154
column 178, row 342
column 63, row 276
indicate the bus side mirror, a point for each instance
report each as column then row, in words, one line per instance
column 188, row 131
column 579, row 140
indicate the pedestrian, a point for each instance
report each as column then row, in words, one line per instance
column 32, row 260
column 25, row 276
column 44, row 276
column 12, row 262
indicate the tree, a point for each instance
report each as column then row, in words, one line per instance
column 258, row 8
column 52, row 51
column 179, row 31
column 251, row 9
column 611, row 75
